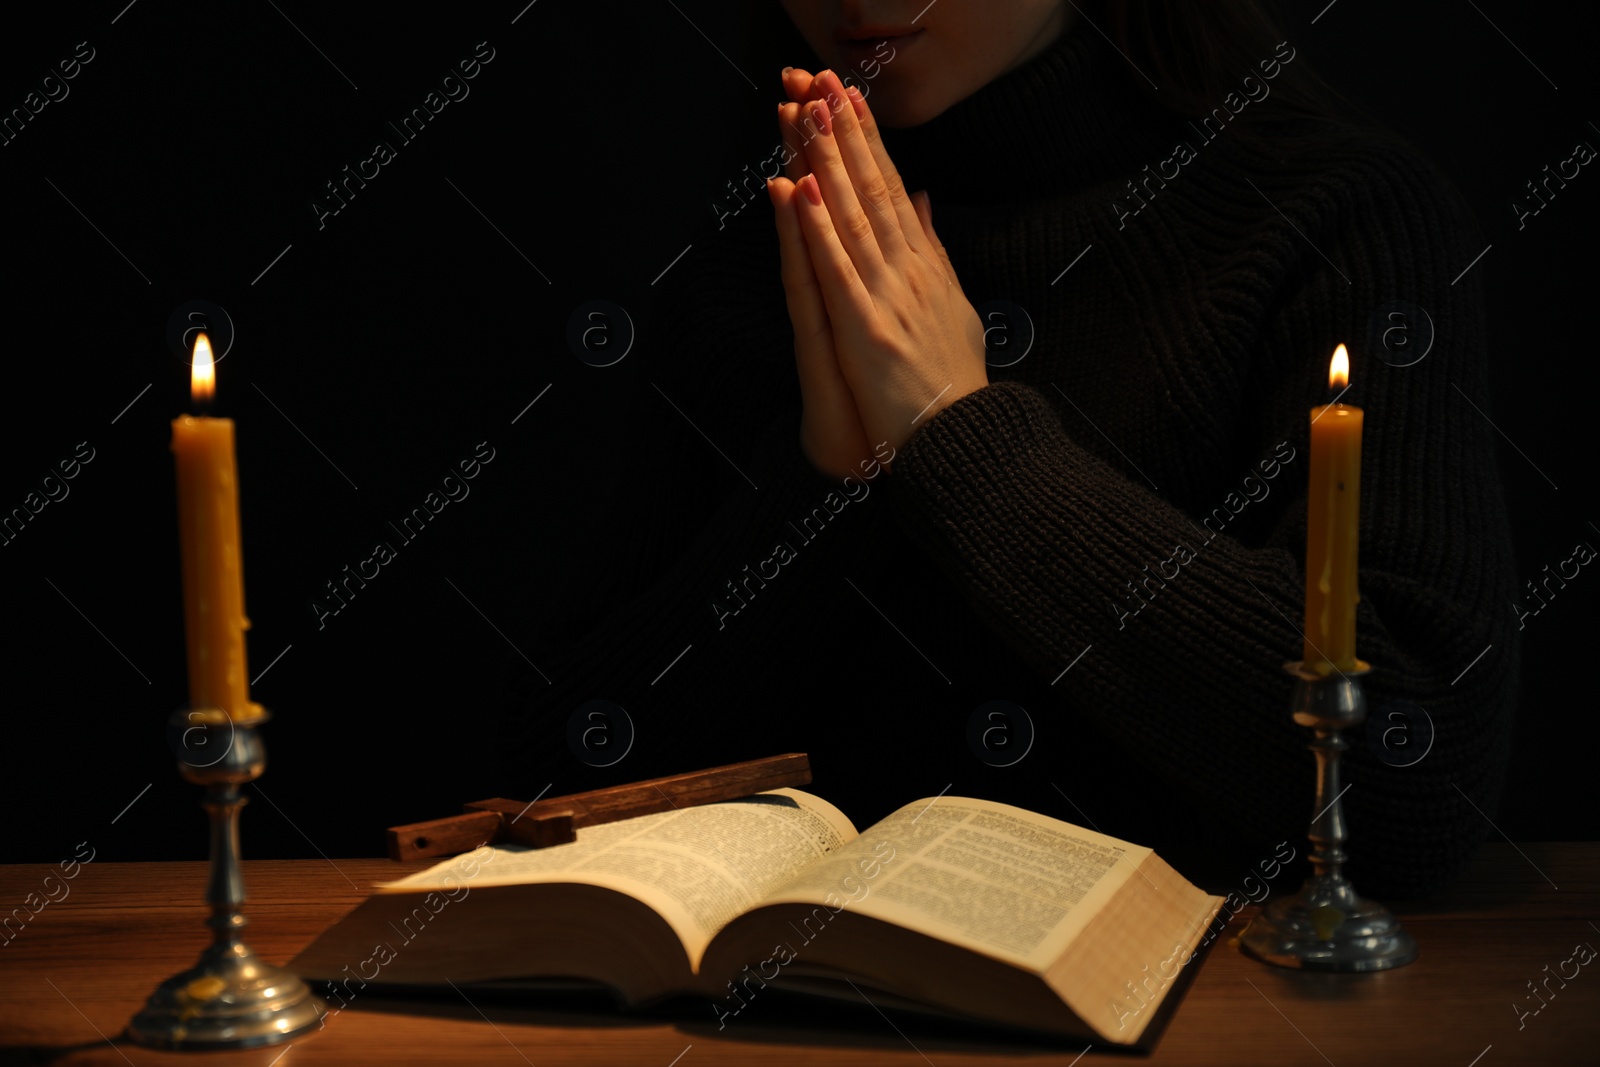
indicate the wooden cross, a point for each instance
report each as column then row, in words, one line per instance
column 556, row 821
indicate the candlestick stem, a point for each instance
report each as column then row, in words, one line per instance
column 225, row 886
column 1327, row 926
column 230, row 998
column 1327, row 833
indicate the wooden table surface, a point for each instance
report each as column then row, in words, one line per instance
column 79, row 969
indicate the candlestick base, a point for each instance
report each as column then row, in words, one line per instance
column 1327, row 925
column 229, row 999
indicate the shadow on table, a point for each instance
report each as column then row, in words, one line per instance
column 17, row 1055
column 779, row 1018
column 1272, row 982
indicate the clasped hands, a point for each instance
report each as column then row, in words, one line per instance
column 884, row 337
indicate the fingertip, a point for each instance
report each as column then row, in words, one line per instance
column 830, row 88
column 810, row 189
column 857, row 101
column 796, row 83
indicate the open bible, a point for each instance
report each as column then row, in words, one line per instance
column 963, row 907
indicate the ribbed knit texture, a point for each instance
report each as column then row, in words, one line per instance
column 1171, row 361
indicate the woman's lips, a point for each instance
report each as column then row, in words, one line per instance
column 882, row 49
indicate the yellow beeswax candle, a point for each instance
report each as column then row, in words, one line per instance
column 208, row 537
column 1333, row 517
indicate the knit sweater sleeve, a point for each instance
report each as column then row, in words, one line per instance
column 1175, row 632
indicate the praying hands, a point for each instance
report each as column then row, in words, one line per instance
column 884, row 337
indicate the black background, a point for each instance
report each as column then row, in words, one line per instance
column 375, row 351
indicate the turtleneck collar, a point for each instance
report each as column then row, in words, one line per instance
column 1071, row 116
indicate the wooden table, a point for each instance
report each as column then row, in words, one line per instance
column 79, row 969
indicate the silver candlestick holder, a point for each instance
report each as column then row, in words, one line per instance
column 1327, row 926
column 230, row 999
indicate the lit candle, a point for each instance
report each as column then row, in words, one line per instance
column 208, row 536
column 1333, row 516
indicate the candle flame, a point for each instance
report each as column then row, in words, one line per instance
column 203, row 376
column 1338, row 369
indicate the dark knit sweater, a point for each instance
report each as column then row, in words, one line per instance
column 1036, row 523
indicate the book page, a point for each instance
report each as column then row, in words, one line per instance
column 699, row 867
column 996, row 879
